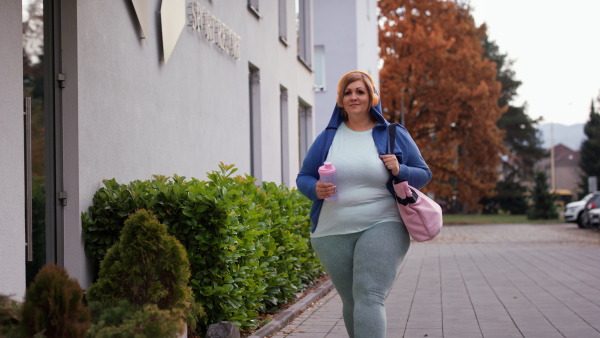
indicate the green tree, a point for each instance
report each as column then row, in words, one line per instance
column 521, row 137
column 511, row 197
column 589, row 161
column 543, row 201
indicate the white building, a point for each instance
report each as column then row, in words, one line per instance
column 345, row 39
column 141, row 87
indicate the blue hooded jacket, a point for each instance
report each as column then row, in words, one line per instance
column 412, row 166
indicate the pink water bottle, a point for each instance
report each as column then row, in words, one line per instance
column 327, row 175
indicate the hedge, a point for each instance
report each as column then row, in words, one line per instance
column 248, row 245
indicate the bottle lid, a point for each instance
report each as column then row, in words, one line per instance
column 328, row 165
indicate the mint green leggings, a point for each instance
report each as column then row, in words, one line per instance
column 363, row 267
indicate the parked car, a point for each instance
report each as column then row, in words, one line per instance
column 594, row 217
column 588, row 214
column 574, row 210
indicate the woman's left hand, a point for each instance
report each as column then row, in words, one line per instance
column 391, row 162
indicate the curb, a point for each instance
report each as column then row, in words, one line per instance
column 292, row 312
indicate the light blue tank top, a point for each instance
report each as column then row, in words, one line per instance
column 363, row 199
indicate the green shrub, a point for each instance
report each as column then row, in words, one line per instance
column 543, row 206
column 111, row 206
column 123, row 319
column 293, row 264
column 248, row 245
column 146, row 266
column 109, row 312
column 53, row 306
column 10, row 316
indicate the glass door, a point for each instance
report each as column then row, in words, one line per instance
column 38, row 90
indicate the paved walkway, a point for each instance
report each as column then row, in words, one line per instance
column 485, row 281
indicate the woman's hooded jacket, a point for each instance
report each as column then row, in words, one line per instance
column 412, row 166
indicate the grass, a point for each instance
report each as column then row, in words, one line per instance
column 456, row 219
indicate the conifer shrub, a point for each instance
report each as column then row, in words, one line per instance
column 109, row 313
column 543, row 206
column 123, row 319
column 146, row 266
column 10, row 317
column 248, row 244
column 53, row 306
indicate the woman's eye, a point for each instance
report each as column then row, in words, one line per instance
column 347, row 93
column 360, row 92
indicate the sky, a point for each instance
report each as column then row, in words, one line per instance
column 556, row 48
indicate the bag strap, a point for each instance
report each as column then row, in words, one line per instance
column 392, row 134
column 409, row 199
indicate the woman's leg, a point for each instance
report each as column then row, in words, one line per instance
column 377, row 257
column 336, row 253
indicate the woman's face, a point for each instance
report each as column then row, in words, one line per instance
column 356, row 99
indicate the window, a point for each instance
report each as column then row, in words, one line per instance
column 253, row 7
column 255, row 128
column 304, row 129
column 304, row 31
column 319, row 68
column 285, row 142
column 283, row 21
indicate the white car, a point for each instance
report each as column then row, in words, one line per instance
column 574, row 210
column 594, row 217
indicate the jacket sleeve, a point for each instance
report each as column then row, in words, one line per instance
column 308, row 176
column 412, row 165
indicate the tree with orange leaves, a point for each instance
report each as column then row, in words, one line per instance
column 436, row 81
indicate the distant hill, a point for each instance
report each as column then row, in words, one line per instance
column 570, row 136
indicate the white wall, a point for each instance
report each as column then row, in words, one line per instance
column 12, row 196
column 367, row 38
column 133, row 116
column 278, row 66
column 351, row 43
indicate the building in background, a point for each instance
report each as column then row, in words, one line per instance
column 345, row 39
column 566, row 174
column 128, row 89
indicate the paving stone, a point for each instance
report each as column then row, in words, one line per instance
column 313, row 328
column 461, row 326
column 502, row 335
column 462, row 334
column 581, row 332
column 543, row 335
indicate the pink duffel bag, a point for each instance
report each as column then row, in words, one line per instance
column 421, row 215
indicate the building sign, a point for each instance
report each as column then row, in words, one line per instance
column 214, row 30
column 173, row 21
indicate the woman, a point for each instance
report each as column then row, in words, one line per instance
column 360, row 238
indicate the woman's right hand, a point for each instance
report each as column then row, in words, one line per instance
column 325, row 190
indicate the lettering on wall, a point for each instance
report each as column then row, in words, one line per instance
column 215, row 31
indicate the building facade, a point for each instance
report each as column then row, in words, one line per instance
column 567, row 174
column 346, row 39
column 128, row 89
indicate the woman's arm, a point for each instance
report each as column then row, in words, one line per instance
column 308, row 176
column 412, row 165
